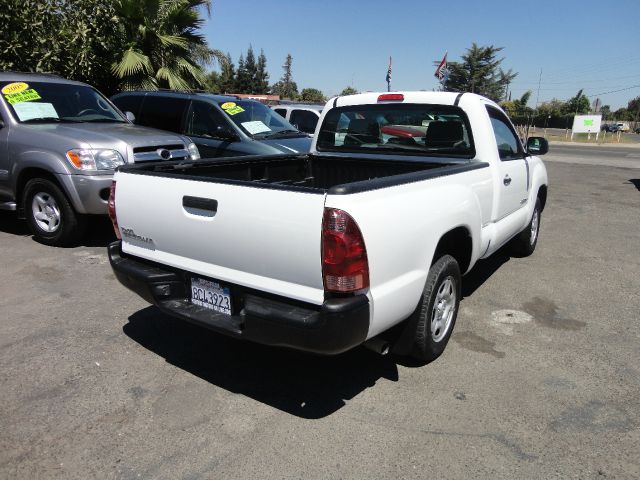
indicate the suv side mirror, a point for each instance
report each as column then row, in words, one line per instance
column 224, row 133
column 130, row 116
column 537, row 145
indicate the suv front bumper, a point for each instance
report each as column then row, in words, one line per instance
column 88, row 193
column 337, row 325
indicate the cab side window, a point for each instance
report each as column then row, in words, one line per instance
column 165, row 113
column 281, row 111
column 203, row 120
column 509, row 147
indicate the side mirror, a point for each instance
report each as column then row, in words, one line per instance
column 537, row 145
column 224, row 133
column 130, row 116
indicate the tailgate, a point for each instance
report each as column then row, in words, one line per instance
column 261, row 238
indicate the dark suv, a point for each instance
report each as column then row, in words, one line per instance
column 220, row 125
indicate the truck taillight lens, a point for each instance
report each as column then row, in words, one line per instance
column 345, row 267
column 112, row 209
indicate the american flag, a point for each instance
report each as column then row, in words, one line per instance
column 442, row 72
column 389, row 72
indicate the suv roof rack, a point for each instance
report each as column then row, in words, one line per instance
column 44, row 74
column 176, row 90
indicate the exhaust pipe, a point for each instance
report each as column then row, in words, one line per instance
column 377, row 345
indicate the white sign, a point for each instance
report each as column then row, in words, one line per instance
column 255, row 127
column 31, row 110
column 586, row 124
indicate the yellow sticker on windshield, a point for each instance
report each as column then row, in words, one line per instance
column 231, row 108
column 20, row 97
column 234, row 110
column 15, row 87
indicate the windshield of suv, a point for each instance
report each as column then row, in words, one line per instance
column 48, row 102
column 258, row 120
column 410, row 129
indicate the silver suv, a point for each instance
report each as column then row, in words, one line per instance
column 60, row 142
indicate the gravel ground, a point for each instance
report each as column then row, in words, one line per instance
column 540, row 380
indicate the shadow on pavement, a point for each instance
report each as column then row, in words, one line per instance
column 303, row 385
column 99, row 232
column 9, row 223
column 99, row 229
column 483, row 270
column 636, row 182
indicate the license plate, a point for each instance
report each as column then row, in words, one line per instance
column 211, row 295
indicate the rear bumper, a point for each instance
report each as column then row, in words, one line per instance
column 337, row 325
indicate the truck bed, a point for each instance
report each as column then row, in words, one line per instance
column 310, row 173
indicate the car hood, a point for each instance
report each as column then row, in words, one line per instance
column 290, row 145
column 123, row 137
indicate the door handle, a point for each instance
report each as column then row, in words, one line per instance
column 200, row 206
column 507, row 180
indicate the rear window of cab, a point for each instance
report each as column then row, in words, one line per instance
column 409, row 129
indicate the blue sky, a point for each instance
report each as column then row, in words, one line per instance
column 577, row 44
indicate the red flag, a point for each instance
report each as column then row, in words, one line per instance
column 442, row 68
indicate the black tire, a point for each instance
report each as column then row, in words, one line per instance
column 525, row 243
column 429, row 344
column 67, row 227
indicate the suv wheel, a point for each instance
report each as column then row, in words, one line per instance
column 50, row 216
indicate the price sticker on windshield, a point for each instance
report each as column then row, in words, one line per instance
column 19, row 97
column 232, row 108
column 15, row 87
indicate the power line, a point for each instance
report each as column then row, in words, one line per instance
column 601, row 80
column 613, row 91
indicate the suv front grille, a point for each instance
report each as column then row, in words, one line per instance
column 160, row 152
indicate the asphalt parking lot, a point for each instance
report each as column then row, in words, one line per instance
column 541, row 378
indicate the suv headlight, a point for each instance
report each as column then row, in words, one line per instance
column 95, row 159
column 194, row 154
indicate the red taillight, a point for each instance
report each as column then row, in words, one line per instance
column 391, row 97
column 345, row 267
column 112, row 209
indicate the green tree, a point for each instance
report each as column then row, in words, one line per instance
column 252, row 70
column 633, row 107
column 73, row 38
column 213, row 82
column 578, row 105
column 348, row 91
column 479, row 72
column 227, row 75
column 312, row 95
column 518, row 107
column 286, row 87
column 623, row 114
column 243, row 80
column 605, row 110
column 163, row 46
column 262, row 77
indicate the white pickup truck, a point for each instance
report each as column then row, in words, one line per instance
column 364, row 240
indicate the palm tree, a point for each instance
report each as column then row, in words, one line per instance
column 162, row 44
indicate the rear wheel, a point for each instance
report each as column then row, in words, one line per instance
column 437, row 310
column 50, row 216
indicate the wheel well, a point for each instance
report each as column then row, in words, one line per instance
column 458, row 244
column 542, row 195
column 28, row 174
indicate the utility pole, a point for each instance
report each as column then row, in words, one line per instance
column 538, row 94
